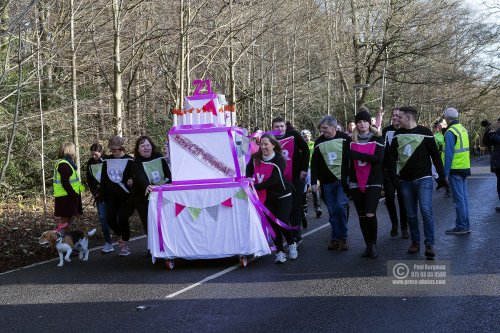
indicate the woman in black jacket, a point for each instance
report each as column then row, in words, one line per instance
column 491, row 139
column 367, row 153
column 116, row 180
column 149, row 168
column 94, row 172
column 267, row 167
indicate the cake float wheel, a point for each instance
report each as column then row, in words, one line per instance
column 169, row 263
column 243, row 261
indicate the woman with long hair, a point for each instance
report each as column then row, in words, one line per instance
column 67, row 186
column 365, row 177
column 149, row 168
column 267, row 167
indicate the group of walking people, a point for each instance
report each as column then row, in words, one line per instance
column 119, row 183
column 403, row 160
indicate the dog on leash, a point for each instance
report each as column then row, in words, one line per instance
column 65, row 244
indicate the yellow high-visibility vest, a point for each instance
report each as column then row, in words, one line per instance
column 59, row 190
column 461, row 156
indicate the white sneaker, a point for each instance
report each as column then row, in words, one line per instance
column 107, row 248
column 292, row 251
column 280, row 258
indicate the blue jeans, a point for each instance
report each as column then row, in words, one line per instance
column 458, row 187
column 336, row 202
column 418, row 193
column 101, row 210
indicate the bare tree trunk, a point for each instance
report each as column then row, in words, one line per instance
column 231, row 57
column 73, row 87
column 117, row 72
column 262, row 87
column 44, row 11
column 285, row 95
column 186, row 42
column 42, row 134
column 182, row 56
column 4, row 19
column 249, row 85
column 294, row 47
column 273, row 75
column 16, row 113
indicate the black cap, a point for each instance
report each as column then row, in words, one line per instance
column 363, row 115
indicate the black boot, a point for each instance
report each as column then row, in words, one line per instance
column 363, row 224
column 374, row 252
column 368, row 251
column 372, row 226
column 394, row 230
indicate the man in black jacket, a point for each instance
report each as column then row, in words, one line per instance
column 491, row 139
column 413, row 147
column 391, row 182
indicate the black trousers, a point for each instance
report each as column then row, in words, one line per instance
column 142, row 210
column 390, row 187
column 497, row 172
column 297, row 212
column 117, row 215
column 315, row 201
column 367, row 203
column 281, row 208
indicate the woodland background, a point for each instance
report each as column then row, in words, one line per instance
column 83, row 70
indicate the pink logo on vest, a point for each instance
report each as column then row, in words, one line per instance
column 363, row 168
column 288, row 146
column 262, row 172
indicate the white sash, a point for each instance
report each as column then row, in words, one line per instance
column 115, row 169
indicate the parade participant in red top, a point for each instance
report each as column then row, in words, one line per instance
column 365, row 177
column 296, row 154
column 267, row 168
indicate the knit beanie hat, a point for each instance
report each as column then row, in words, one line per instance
column 362, row 115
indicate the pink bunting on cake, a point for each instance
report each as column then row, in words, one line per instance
column 227, row 203
column 179, row 208
column 210, row 107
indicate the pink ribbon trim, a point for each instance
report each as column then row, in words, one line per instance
column 159, row 206
column 203, row 181
column 235, row 156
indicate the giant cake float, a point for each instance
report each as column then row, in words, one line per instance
column 210, row 209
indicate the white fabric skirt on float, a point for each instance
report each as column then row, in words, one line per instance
column 204, row 223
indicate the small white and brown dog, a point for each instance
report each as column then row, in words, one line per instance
column 77, row 239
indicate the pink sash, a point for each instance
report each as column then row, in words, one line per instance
column 288, row 146
column 262, row 172
column 363, row 168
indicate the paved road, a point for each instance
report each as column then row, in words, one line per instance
column 322, row 291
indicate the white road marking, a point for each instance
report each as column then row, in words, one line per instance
column 232, row 268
